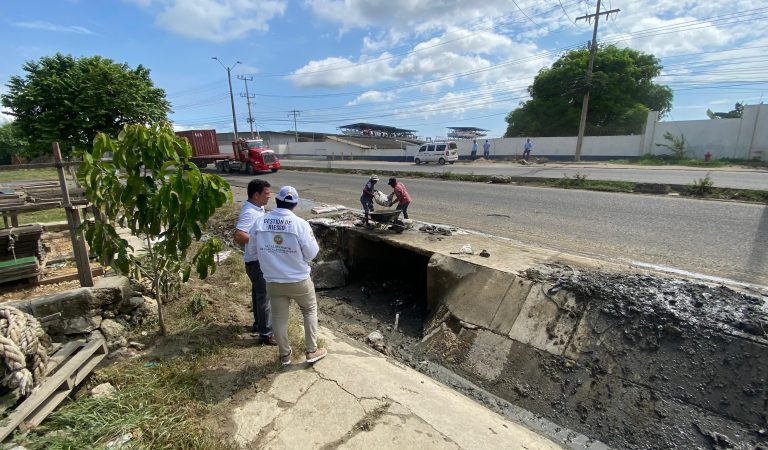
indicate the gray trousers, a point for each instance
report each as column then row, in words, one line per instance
column 262, row 311
column 303, row 292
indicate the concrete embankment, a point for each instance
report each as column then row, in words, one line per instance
column 633, row 359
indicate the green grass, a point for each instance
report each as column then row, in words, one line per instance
column 45, row 216
column 156, row 405
column 45, row 174
column 665, row 160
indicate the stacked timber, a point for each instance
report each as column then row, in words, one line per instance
column 21, row 252
column 48, row 191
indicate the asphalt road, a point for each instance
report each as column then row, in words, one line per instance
column 723, row 177
column 719, row 239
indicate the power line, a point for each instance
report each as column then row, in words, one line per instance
column 565, row 12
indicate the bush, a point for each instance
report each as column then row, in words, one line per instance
column 701, row 187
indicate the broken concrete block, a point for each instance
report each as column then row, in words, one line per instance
column 109, row 290
column 104, row 390
column 112, row 329
column 82, row 324
column 329, row 274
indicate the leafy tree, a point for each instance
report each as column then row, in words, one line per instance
column 735, row 113
column 621, row 94
column 70, row 100
column 10, row 142
column 146, row 188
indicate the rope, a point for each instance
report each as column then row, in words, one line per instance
column 23, row 350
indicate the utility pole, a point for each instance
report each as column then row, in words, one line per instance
column 592, row 51
column 248, row 98
column 295, row 113
column 231, row 97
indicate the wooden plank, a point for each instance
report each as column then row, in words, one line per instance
column 64, row 352
column 95, row 272
column 37, row 166
column 61, row 380
column 45, row 408
column 80, row 374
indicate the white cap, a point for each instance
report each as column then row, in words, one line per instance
column 374, row 178
column 288, row 194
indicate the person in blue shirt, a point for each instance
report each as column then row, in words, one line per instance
column 527, row 148
column 487, row 150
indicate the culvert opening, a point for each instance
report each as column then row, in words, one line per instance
column 384, row 285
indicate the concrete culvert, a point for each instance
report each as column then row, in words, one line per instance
column 632, row 360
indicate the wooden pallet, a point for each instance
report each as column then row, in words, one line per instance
column 67, row 368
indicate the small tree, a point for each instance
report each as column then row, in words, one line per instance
column 151, row 188
column 676, row 145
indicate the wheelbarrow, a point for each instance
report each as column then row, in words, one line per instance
column 389, row 218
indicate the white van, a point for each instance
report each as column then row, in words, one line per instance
column 440, row 152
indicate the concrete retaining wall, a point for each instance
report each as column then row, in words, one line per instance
column 567, row 359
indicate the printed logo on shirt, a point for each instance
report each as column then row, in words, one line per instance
column 278, row 239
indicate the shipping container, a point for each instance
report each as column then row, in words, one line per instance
column 205, row 148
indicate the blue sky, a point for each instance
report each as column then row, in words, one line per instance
column 417, row 64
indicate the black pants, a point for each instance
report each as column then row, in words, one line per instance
column 262, row 310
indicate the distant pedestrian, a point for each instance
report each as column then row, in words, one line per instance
column 487, row 150
column 367, row 198
column 253, row 208
column 400, row 196
column 527, row 147
column 286, row 246
column 473, row 154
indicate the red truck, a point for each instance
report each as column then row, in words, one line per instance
column 250, row 155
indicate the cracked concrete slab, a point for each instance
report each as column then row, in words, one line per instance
column 251, row 417
column 290, row 386
column 325, row 414
column 459, row 419
column 392, row 431
column 357, row 398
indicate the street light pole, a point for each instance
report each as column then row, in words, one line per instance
column 231, row 97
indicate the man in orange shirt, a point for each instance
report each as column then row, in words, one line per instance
column 400, row 196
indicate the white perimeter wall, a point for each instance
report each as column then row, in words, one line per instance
column 743, row 138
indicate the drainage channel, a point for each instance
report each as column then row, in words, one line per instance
column 583, row 356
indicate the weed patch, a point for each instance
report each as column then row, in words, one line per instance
column 157, row 406
column 701, row 187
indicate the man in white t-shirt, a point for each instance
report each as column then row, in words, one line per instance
column 286, row 246
column 253, row 208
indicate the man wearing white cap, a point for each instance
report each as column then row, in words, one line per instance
column 286, row 246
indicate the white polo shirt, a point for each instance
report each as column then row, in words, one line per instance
column 248, row 215
column 285, row 245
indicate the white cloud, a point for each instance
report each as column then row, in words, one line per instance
column 214, row 20
column 5, row 117
column 339, row 72
column 372, row 97
column 48, row 26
